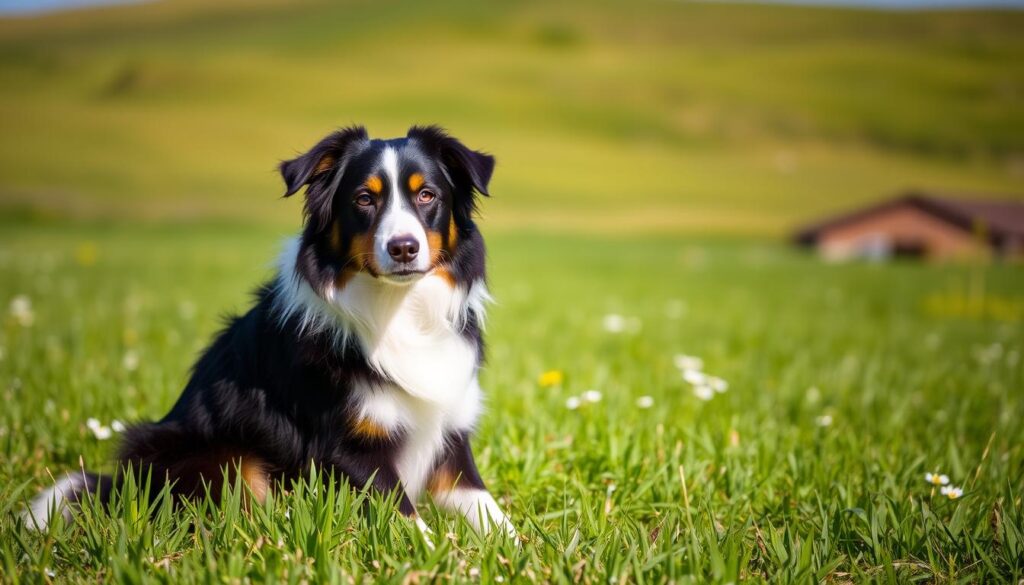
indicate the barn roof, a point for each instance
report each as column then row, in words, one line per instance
column 1002, row 218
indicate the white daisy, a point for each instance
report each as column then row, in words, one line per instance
column 592, row 396
column 645, row 402
column 951, row 492
column 21, row 310
column 614, row 323
column 703, row 392
column 824, row 420
column 130, row 360
column 572, row 402
column 117, row 426
column 695, row 377
column 936, row 478
column 717, row 384
column 688, row 362
column 99, row 431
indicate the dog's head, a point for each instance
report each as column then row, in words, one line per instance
column 394, row 209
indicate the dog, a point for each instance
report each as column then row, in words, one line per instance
column 361, row 356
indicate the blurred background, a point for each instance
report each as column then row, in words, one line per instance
column 658, row 116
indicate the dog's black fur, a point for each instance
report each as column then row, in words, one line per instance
column 270, row 396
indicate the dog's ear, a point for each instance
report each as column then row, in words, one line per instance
column 466, row 168
column 330, row 154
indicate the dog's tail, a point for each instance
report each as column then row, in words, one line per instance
column 69, row 491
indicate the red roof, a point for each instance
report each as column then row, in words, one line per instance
column 1000, row 218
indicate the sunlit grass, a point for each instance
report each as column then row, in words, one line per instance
column 844, row 388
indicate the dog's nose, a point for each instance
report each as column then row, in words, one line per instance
column 403, row 248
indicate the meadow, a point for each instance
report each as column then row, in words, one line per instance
column 846, row 385
column 652, row 157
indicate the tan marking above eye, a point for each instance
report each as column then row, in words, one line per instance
column 415, row 182
column 374, row 184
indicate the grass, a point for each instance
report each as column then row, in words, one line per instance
column 650, row 156
column 665, row 116
column 919, row 367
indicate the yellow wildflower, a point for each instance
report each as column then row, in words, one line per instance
column 551, row 378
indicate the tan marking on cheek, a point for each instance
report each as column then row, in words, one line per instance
column 368, row 429
column 374, row 184
column 435, row 240
column 415, row 182
column 349, row 269
column 436, row 246
column 336, row 237
column 446, row 274
column 453, row 233
column 361, row 256
column 324, row 165
column 442, row 480
column 356, row 249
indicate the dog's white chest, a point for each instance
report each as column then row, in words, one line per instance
column 410, row 337
column 409, row 334
column 423, row 425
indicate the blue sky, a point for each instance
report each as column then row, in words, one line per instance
column 38, row 6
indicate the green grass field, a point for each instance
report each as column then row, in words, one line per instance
column 650, row 157
column 919, row 368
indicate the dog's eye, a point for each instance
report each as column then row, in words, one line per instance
column 364, row 200
column 426, row 196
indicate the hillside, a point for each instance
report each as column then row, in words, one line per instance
column 658, row 116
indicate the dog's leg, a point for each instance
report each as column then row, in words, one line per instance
column 190, row 464
column 456, row 486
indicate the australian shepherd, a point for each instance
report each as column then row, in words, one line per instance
column 360, row 357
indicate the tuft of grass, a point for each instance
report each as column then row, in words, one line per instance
column 749, row 486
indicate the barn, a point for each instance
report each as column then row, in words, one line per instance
column 922, row 225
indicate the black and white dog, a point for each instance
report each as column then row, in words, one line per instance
column 360, row 357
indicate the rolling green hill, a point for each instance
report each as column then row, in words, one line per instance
column 650, row 116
